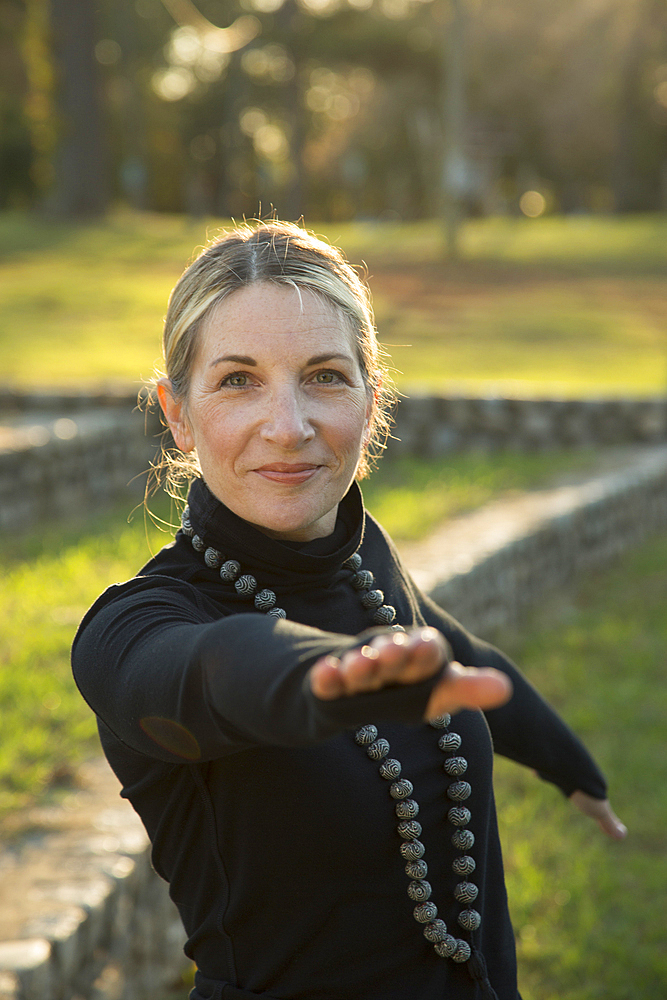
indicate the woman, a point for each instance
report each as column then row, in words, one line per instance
column 272, row 689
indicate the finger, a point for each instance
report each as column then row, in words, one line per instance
column 427, row 653
column 408, row 657
column 467, row 687
column 611, row 825
column 325, row 678
column 398, row 658
column 600, row 810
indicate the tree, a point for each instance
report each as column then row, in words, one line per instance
column 81, row 186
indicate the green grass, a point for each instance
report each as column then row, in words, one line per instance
column 410, row 496
column 588, row 911
column 48, row 582
column 552, row 305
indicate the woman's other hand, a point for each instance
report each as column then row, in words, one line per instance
column 407, row 658
column 601, row 812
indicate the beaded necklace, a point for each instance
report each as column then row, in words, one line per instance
column 419, row 890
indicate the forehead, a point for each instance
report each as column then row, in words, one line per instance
column 263, row 317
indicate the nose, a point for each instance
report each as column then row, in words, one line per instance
column 287, row 422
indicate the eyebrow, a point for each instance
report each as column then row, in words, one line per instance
column 237, row 359
column 245, row 359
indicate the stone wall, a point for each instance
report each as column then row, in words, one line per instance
column 68, row 453
column 434, row 425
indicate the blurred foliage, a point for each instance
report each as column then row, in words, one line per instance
column 334, row 108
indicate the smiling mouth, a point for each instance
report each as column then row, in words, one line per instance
column 292, row 475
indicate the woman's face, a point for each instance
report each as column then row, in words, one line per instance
column 277, row 409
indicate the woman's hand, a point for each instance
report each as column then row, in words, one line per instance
column 407, row 658
column 601, row 812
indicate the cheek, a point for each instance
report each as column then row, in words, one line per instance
column 348, row 430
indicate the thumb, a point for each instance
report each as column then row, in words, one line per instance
column 600, row 810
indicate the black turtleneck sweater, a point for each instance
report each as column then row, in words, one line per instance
column 275, row 830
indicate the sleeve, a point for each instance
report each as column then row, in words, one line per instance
column 526, row 729
column 173, row 684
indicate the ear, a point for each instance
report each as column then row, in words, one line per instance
column 174, row 413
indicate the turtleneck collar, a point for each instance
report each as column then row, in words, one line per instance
column 288, row 563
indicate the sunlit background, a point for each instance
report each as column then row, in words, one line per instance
column 334, row 109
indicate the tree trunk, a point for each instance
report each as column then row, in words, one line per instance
column 81, row 182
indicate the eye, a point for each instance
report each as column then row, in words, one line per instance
column 328, row 378
column 237, row 380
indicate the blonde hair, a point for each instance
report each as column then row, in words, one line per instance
column 283, row 254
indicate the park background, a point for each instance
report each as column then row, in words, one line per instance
column 501, row 169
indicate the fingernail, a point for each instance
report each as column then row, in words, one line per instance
column 370, row 652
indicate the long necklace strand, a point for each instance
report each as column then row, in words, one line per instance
column 419, row 890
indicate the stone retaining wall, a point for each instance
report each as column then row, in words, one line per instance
column 434, row 425
column 67, row 457
column 63, row 453
column 488, row 567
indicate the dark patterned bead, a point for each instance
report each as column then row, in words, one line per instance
column 230, row 570
column 390, row 769
column 401, row 789
column 463, row 840
column 377, row 750
column 212, row 558
column 416, row 869
column 454, row 766
column 409, row 829
column 447, row 947
column 463, row 865
column 435, row 931
column 459, row 791
column 372, row 599
column 264, row 600
column 466, row 892
column 186, row 523
column 440, row 721
column 384, row 615
column 449, row 742
column 245, row 585
column 420, row 891
column 407, row 809
column 198, row 544
column 354, row 562
column 463, row 951
column 365, row 735
column 363, row 580
column 469, row 919
column 397, row 628
column 277, row 613
column 412, row 850
column 458, row 816
column 424, row 913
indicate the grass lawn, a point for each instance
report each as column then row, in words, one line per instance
column 553, row 305
column 588, row 912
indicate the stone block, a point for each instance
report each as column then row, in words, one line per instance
column 27, row 963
